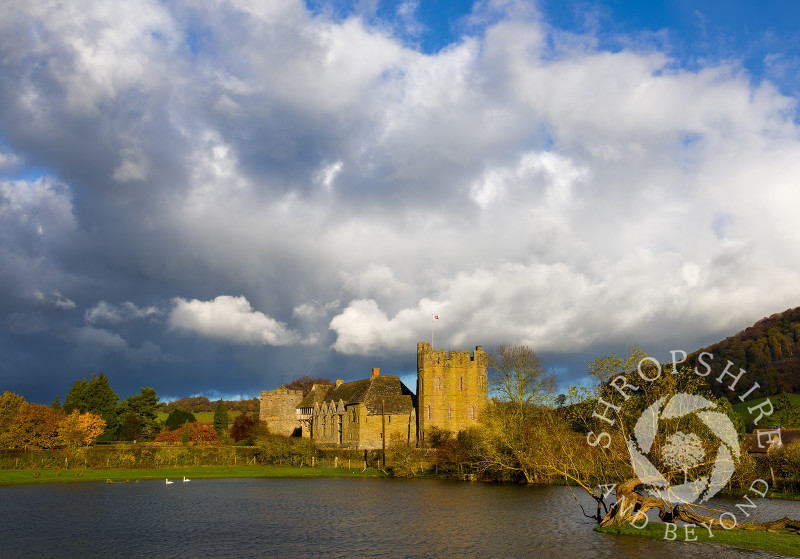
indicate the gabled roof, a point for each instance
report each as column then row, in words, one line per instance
column 397, row 398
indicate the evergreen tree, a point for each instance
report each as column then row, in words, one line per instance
column 220, row 418
column 178, row 417
column 56, row 405
column 185, row 436
column 144, row 409
column 786, row 414
column 95, row 396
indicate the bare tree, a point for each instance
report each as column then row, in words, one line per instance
column 517, row 376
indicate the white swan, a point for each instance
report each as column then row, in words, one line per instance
column 185, row 480
column 168, row 482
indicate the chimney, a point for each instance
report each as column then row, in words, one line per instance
column 376, row 371
column 339, row 381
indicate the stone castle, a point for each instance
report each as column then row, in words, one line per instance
column 452, row 389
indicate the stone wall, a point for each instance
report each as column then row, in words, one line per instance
column 361, row 430
column 279, row 410
column 452, row 388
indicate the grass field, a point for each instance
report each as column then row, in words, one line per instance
column 782, row 543
column 741, row 407
column 26, row 477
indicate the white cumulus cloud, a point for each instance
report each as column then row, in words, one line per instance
column 230, row 319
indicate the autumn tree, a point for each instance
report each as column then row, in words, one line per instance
column 130, row 428
column 36, row 425
column 10, row 405
column 306, row 383
column 96, row 396
column 80, row 429
column 197, row 433
column 247, row 427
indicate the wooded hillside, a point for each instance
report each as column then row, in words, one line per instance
column 769, row 351
column 202, row 404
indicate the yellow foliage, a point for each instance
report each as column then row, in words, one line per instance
column 80, row 429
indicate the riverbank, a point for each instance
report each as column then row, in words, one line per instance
column 27, row 477
column 783, row 543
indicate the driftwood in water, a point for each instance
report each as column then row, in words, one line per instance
column 631, row 507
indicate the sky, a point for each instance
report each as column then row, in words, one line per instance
column 214, row 198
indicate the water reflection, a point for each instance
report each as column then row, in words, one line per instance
column 318, row 518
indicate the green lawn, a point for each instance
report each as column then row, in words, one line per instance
column 782, row 543
column 20, row 477
column 741, row 407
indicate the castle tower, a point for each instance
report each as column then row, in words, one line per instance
column 452, row 388
column 279, row 410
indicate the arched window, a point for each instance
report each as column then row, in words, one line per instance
column 461, row 383
column 429, row 412
column 438, row 383
column 450, row 412
column 472, row 412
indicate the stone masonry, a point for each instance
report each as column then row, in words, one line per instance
column 452, row 388
column 278, row 410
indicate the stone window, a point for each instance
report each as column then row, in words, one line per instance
column 438, row 383
column 450, row 412
column 472, row 412
column 429, row 412
column 480, row 382
column 461, row 383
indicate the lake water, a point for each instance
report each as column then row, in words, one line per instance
column 335, row 517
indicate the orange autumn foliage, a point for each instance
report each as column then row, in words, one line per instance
column 77, row 429
column 199, row 433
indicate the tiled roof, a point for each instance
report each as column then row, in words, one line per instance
column 371, row 391
column 316, row 396
column 751, row 441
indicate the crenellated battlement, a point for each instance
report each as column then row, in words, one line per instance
column 452, row 387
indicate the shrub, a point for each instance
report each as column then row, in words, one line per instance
column 276, row 449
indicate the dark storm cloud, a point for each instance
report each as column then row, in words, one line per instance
column 205, row 198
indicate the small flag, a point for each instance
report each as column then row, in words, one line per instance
column 436, row 317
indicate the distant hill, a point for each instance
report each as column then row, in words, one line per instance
column 769, row 351
column 196, row 404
